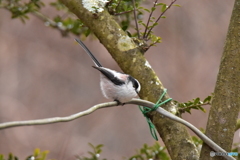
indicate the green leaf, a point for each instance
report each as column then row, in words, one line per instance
column 196, row 101
column 140, row 22
column 202, row 109
column 177, row 5
column 155, row 152
column 208, row 99
column 160, row 4
column 145, row 9
column 155, row 24
column 91, row 145
column 36, row 152
column 99, row 148
column 197, row 141
column 92, row 154
column 44, row 155
column 1, row 157
column 140, row 8
column 164, row 7
column 124, row 27
column 12, row 157
column 58, row 5
column 153, row 9
column 87, row 32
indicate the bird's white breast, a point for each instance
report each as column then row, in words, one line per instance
column 122, row 93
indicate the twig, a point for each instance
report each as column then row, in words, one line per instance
column 135, row 18
column 152, row 44
column 160, row 110
column 189, row 107
column 160, row 17
column 43, row 17
column 55, row 119
column 118, row 4
column 116, row 14
column 144, row 34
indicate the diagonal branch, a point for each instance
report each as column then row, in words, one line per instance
column 182, row 110
column 56, row 119
column 46, row 19
column 149, row 18
column 118, row 4
column 148, row 104
column 120, row 13
column 135, row 18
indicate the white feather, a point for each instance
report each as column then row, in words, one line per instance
column 122, row 93
column 119, row 92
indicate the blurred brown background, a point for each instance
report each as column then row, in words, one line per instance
column 43, row 75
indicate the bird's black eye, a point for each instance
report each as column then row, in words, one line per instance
column 134, row 82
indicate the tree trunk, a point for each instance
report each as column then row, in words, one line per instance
column 226, row 100
column 131, row 60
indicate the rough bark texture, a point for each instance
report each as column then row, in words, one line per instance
column 226, row 101
column 129, row 57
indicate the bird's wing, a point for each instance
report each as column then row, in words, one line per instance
column 109, row 74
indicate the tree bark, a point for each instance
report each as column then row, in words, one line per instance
column 131, row 60
column 226, row 100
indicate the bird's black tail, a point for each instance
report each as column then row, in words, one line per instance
column 88, row 52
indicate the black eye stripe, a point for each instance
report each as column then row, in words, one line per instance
column 133, row 80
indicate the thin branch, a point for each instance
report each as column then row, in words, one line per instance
column 135, row 18
column 144, row 34
column 152, row 44
column 55, row 119
column 118, row 4
column 181, row 110
column 160, row 17
column 43, row 17
column 160, row 110
column 116, row 14
column 205, row 139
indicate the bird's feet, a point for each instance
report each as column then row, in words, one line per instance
column 119, row 103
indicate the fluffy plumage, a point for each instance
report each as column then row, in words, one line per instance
column 114, row 85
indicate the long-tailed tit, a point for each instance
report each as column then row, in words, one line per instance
column 114, row 85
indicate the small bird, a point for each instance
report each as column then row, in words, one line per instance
column 117, row 86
